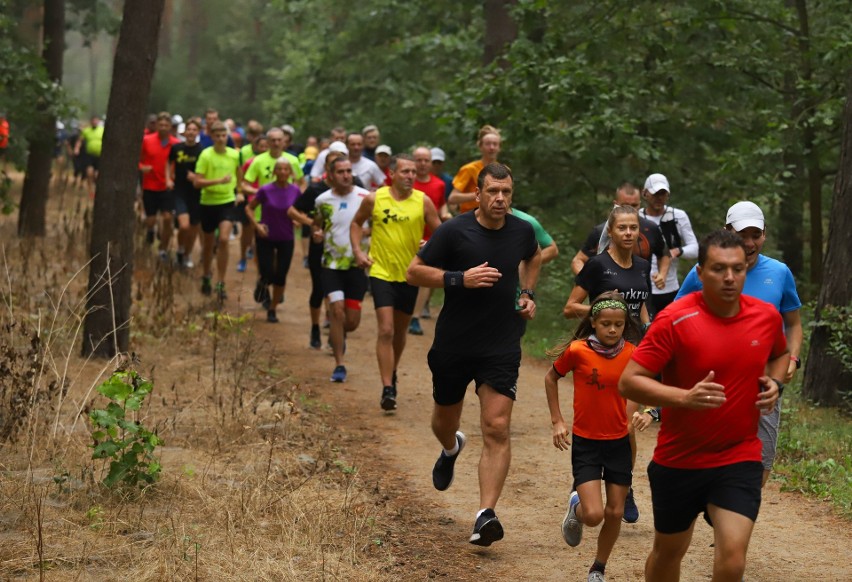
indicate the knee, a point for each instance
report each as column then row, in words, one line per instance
column 496, row 430
column 731, row 564
column 335, row 310
column 613, row 514
column 593, row 518
column 385, row 334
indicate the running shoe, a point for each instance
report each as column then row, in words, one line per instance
column 188, row 263
column 149, row 237
column 220, row 291
column 206, row 287
column 339, row 374
column 595, row 576
column 305, row 262
column 271, row 317
column 316, row 340
column 444, row 469
column 572, row 529
column 388, row 398
column 487, row 529
column 414, row 327
column 261, row 291
column 241, row 266
column 631, row 512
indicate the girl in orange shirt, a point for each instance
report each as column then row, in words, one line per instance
column 601, row 449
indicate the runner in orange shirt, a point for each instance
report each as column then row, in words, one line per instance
column 464, row 184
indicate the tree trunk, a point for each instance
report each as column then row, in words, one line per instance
column 106, row 329
column 500, row 29
column 166, row 27
column 826, row 381
column 31, row 217
column 791, row 211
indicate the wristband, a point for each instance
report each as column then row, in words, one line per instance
column 780, row 386
column 453, row 279
column 797, row 360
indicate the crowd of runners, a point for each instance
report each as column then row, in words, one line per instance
column 708, row 358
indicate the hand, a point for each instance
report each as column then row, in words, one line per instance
column 481, row 276
column 190, row 176
column 239, row 199
column 641, row 420
column 791, row 371
column 262, row 231
column 561, row 437
column 362, row 259
column 527, row 305
column 170, row 185
column 706, row 394
column 768, row 395
column 422, row 243
column 225, row 179
column 317, row 235
column 658, row 280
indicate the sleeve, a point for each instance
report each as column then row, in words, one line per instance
column 541, row 236
column 201, row 164
column 565, row 362
column 435, row 251
column 687, row 237
column 657, row 347
column 251, row 173
column 173, row 153
column 789, row 295
column 691, row 283
column 462, row 180
column 262, row 196
column 318, row 168
column 443, row 190
column 590, row 247
column 587, row 275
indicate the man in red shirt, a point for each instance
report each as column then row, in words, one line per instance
column 435, row 190
column 719, row 352
column 156, row 198
column 4, row 139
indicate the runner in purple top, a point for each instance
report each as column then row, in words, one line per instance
column 274, row 236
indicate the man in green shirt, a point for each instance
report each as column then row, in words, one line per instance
column 217, row 173
column 93, row 137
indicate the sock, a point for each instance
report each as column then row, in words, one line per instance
column 453, row 451
column 598, row 567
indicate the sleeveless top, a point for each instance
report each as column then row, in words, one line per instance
column 397, row 230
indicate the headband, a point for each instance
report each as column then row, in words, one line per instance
column 608, row 304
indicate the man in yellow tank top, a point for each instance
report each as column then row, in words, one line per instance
column 398, row 214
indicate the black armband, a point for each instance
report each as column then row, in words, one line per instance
column 453, row 279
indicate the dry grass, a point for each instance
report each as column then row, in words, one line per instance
column 251, row 488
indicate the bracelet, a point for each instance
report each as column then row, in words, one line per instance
column 453, row 279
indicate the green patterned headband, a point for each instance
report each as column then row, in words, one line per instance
column 607, row 304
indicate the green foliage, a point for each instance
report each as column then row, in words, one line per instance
column 125, row 441
column 838, row 322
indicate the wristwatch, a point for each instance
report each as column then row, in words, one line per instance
column 797, row 360
column 529, row 292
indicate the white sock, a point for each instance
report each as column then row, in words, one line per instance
column 453, row 451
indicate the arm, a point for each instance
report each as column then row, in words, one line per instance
column 549, row 253
column 663, row 264
column 261, row 229
column 420, row 274
column 430, row 214
column 356, row 230
column 574, row 307
column 689, row 250
column 561, row 433
column 639, row 384
column 299, row 216
column 457, row 197
column 530, row 269
column 793, row 330
column 444, row 213
column 769, row 389
column 579, row 261
column 170, row 175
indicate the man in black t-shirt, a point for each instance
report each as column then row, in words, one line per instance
column 181, row 169
column 475, row 258
column 649, row 242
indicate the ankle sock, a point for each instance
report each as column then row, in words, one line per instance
column 453, row 451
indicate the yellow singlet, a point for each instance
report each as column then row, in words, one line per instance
column 397, row 230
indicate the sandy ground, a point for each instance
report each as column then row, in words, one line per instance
column 794, row 539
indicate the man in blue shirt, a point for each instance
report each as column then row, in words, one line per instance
column 770, row 281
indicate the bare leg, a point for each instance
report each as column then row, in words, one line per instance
column 495, row 417
column 445, row 423
column 732, row 532
column 663, row 563
column 385, row 343
column 614, row 510
column 222, row 254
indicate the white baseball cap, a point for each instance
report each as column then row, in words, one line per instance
column 288, row 129
column 438, row 155
column 384, row 149
column 657, row 182
column 338, row 146
column 743, row 215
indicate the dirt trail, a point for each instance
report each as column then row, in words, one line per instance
column 795, row 539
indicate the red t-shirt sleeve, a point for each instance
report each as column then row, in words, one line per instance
column 565, row 362
column 657, row 347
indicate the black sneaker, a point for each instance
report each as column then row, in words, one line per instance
column 487, row 529
column 206, row 287
column 388, row 398
column 631, row 511
column 149, row 237
column 261, row 291
column 271, row 317
column 442, row 472
column 316, row 340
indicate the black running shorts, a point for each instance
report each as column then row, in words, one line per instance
column 399, row 295
column 680, row 495
column 453, row 371
column 213, row 216
column 156, row 201
column 601, row 460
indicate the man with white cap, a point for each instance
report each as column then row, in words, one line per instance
column 383, row 155
column 438, row 159
column 677, row 231
column 773, row 282
column 338, row 134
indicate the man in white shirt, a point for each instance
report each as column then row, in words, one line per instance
column 366, row 170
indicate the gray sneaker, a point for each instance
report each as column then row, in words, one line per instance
column 596, row 577
column 572, row 529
